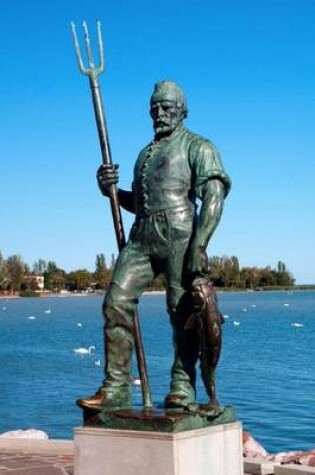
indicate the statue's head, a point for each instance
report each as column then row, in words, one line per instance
column 168, row 107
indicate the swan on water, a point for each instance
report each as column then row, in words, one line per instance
column 85, row 351
column 236, row 323
column 48, row 310
column 297, row 325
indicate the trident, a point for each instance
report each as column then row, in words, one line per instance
column 93, row 72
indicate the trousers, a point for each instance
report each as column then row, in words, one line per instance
column 158, row 244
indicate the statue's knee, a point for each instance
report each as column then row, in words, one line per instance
column 117, row 301
column 108, row 303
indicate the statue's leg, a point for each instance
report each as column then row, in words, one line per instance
column 186, row 341
column 118, row 309
column 133, row 273
column 186, row 352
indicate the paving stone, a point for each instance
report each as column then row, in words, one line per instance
column 19, row 462
column 257, row 466
column 43, row 470
column 294, row 470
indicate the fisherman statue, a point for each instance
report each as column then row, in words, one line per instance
column 169, row 236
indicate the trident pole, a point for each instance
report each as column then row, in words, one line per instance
column 93, row 72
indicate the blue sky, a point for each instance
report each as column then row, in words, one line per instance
column 248, row 70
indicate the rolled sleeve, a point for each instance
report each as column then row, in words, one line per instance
column 206, row 165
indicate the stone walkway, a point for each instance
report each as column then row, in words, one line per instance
column 36, row 457
column 55, row 457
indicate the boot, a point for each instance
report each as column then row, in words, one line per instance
column 120, row 398
column 183, row 373
column 180, row 396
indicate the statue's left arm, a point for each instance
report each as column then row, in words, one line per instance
column 211, row 186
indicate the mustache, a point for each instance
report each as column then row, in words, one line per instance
column 162, row 122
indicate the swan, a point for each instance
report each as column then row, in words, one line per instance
column 85, row 351
column 97, row 363
column 297, row 325
column 135, row 381
column 31, row 317
column 48, row 310
column 236, row 323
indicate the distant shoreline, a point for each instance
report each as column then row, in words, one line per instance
column 9, row 297
column 158, row 292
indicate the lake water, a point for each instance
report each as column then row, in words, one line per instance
column 266, row 368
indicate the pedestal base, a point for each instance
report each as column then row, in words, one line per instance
column 214, row 450
column 156, row 420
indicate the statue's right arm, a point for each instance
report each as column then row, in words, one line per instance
column 107, row 175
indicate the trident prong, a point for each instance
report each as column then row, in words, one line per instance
column 92, row 70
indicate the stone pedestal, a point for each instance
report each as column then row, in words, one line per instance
column 214, row 450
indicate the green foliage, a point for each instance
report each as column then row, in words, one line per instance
column 225, row 272
column 54, row 277
column 3, row 272
column 16, row 271
column 102, row 274
column 39, row 267
column 80, row 279
column 28, row 293
column 113, row 262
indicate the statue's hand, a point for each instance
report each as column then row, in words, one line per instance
column 107, row 175
column 197, row 264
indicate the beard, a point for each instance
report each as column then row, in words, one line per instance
column 164, row 128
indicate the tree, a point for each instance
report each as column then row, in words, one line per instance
column 113, row 262
column 80, row 279
column 231, row 271
column 215, row 271
column 284, row 278
column 224, row 271
column 39, row 266
column 3, row 273
column 249, row 277
column 16, row 271
column 267, row 277
column 54, row 277
column 281, row 267
column 102, row 274
column 29, row 283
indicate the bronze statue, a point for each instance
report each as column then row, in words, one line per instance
column 175, row 171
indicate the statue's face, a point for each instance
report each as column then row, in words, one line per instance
column 166, row 116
